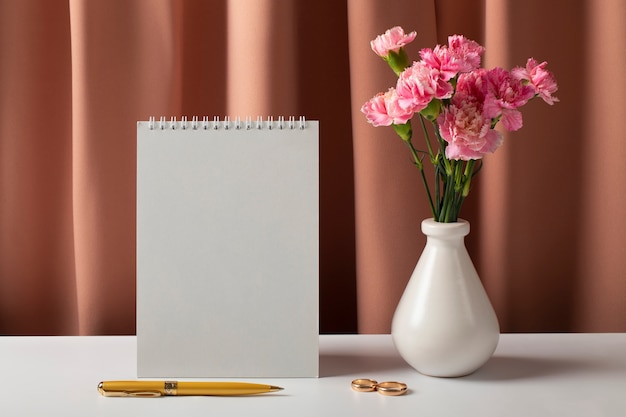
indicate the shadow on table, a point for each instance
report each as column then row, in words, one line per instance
column 337, row 365
column 500, row 368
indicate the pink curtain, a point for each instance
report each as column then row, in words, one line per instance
column 548, row 230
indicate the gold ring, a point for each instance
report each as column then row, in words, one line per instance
column 391, row 388
column 364, row 385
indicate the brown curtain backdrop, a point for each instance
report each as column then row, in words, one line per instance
column 548, row 230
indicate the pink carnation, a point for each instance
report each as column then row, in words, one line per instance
column 504, row 95
column 384, row 110
column 540, row 79
column 471, row 86
column 419, row 84
column 461, row 55
column 392, row 40
column 468, row 132
column 442, row 59
column 467, row 49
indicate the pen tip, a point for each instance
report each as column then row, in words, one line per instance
column 274, row 388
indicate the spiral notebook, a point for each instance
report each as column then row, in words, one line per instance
column 227, row 248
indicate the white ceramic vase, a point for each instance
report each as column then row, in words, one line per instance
column 444, row 324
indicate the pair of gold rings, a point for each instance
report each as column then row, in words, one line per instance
column 383, row 388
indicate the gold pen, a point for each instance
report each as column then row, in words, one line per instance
column 173, row 388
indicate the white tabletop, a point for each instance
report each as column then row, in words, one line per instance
column 565, row 375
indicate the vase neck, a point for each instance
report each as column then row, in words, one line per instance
column 434, row 229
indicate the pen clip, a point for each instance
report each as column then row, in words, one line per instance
column 145, row 394
column 142, row 394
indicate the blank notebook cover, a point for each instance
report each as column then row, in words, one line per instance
column 227, row 248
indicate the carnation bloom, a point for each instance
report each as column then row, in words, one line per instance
column 441, row 58
column 468, row 132
column 472, row 86
column 504, row 95
column 419, row 84
column 461, row 55
column 467, row 49
column 540, row 79
column 384, row 110
column 392, row 40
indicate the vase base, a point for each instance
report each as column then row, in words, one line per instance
column 447, row 374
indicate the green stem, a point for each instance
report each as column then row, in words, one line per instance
column 468, row 175
column 442, row 147
column 452, row 177
column 458, row 176
column 420, row 166
column 437, row 191
column 427, row 138
column 458, row 205
column 448, row 199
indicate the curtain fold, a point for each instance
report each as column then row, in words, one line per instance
column 75, row 75
column 124, row 63
column 601, row 294
column 37, row 292
column 389, row 204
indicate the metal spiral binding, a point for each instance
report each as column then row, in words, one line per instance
column 226, row 124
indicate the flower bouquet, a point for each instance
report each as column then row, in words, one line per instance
column 464, row 102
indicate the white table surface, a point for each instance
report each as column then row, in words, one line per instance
column 565, row 375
